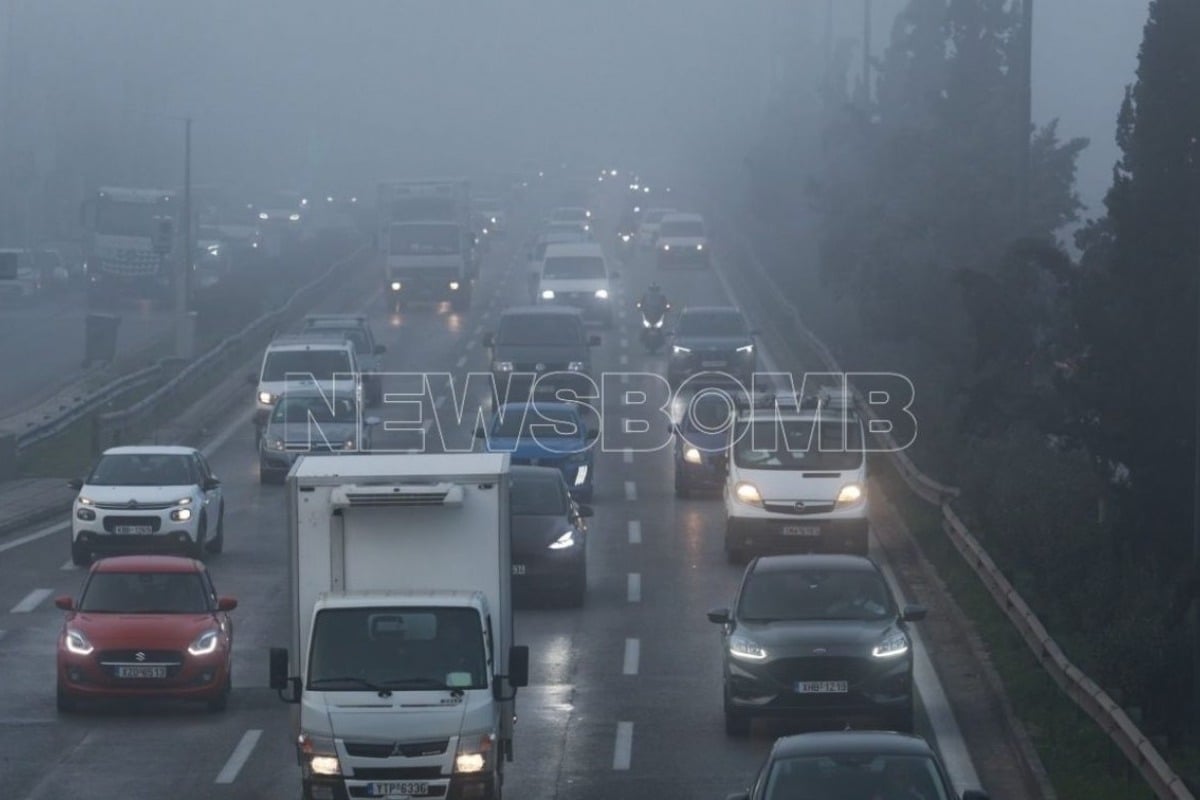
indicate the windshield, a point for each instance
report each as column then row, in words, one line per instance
column 682, row 229
column 401, row 649
column 144, row 469
column 127, row 219
column 569, row 215
column 539, row 329
column 317, row 409
column 814, row 594
column 576, row 267
column 712, row 323
column 538, row 495
column 405, row 209
column 322, row 365
column 800, row 444
column 856, row 777
column 431, row 239
column 354, row 334
column 145, row 593
column 654, row 217
column 537, row 422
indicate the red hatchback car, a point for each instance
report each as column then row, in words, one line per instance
column 146, row 626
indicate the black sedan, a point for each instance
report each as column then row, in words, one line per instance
column 817, row 638
column 712, row 343
column 549, row 537
column 861, row 764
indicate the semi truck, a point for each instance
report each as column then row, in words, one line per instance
column 425, row 241
column 124, row 254
column 402, row 657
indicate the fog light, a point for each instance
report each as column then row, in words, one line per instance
column 86, row 514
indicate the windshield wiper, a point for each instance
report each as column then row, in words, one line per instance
column 414, row 683
column 352, row 679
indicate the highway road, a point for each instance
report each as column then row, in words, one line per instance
column 624, row 698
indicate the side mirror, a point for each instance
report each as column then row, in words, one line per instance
column 719, row 616
column 489, row 339
column 518, row 666
column 586, row 511
column 65, row 602
column 211, row 483
column 371, row 422
column 380, row 349
column 913, row 613
column 226, row 603
column 279, row 668
column 75, row 483
column 975, row 794
column 594, row 340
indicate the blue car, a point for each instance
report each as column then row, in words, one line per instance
column 701, row 436
column 545, row 435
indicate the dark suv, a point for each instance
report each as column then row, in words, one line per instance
column 714, row 340
column 538, row 350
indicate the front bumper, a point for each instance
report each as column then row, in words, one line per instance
column 192, row 678
column 682, row 257
column 814, row 535
column 705, row 475
column 518, row 386
column 457, row 787
column 876, row 689
column 591, row 306
column 713, row 369
column 548, row 570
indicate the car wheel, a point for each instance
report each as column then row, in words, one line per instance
column 737, row 723
column 196, row 549
column 218, row 542
column 221, row 701
column 79, row 556
column 66, row 702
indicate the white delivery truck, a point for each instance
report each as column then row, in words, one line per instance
column 402, row 659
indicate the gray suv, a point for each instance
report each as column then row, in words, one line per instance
column 537, row 350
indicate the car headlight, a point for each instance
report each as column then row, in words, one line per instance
column 587, row 227
column 647, row 323
column 294, row 217
column 266, row 398
column 748, row 494
column 181, row 515
column 547, row 294
column 276, row 444
column 86, row 514
column 263, row 215
column 602, row 294
column 625, row 238
column 474, row 756
column 692, row 456
column 745, row 648
column 320, row 753
column 502, row 366
column 205, row 643
column 850, row 494
column 349, row 444
column 746, row 349
column 575, row 366
column 77, row 643
column 680, row 350
column 397, row 286
column 895, row 644
column 454, row 286
column 494, row 221
column 581, row 475
column 699, row 247
column 86, row 501
column 666, row 247
column 563, row 542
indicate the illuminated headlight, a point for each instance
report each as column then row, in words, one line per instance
column 214, row 250
column 646, row 190
column 746, row 648
column 575, row 366
column 581, row 475
column 625, row 237
column 85, row 514
column 680, row 350
column 699, row 247
column 851, row 494
column 266, row 398
column 637, row 209
column 563, row 542
column 895, row 644
column 746, row 348
column 86, row 501
column 205, row 643
column 263, row 215
column 328, row 199
column 181, row 515
column 320, row 753
column 397, row 286
column 474, row 756
column 666, row 247
column 587, row 227
column 276, row 444
column 588, row 214
column 547, row 294
column 454, row 286
column 294, row 217
column 692, row 456
column 183, row 501
column 254, row 245
column 77, row 643
column 349, row 444
column 748, row 494
column 602, row 294
column 502, row 366
column 493, row 220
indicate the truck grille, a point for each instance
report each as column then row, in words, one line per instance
column 393, row 749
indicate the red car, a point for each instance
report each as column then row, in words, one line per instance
column 146, row 626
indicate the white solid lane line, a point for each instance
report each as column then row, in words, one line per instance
column 630, row 490
column 633, row 588
column 31, row 601
column 238, row 758
column 623, row 751
column 41, row 533
column 635, row 531
column 239, row 422
column 633, row 651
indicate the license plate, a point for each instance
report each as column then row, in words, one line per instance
column 139, row 530
column 801, row 530
column 398, row 790
column 141, row 672
column 712, row 364
column 822, row 687
column 518, row 569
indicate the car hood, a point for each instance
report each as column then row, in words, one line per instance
column 533, row 533
column 299, row 433
column 801, row 637
column 547, row 353
column 144, row 495
column 783, row 484
column 150, row 631
column 543, row 447
column 713, row 342
column 574, row 284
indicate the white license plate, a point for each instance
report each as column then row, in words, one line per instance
column 712, row 363
column 801, row 530
column 398, row 790
column 518, row 569
column 822, row 687
column 138, row 530
column 139, row 672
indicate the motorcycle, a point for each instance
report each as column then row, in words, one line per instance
column 653, row 319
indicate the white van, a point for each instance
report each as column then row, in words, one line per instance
column 796, row 480
column 578, row 275
column 328, row 361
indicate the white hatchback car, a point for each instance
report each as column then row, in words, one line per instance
column 578, row 275
column 151, row 499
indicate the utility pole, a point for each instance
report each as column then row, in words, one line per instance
column 1025, row 120
column 184, row 320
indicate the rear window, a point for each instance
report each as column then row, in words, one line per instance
column 683, row 228
column 535, row 329
column 573, row 267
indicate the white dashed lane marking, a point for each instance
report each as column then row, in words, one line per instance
column 628, row 456
column 31, row 601
column 635, row 531
column 238, row 758
column 633, row 588
column 623, row 751
column 630, row 490
column 633, row 651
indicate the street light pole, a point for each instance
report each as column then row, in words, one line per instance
column 184, row 320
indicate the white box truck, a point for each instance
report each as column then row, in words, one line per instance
column 402, row 658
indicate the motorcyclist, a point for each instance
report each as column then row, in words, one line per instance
column 653, row 303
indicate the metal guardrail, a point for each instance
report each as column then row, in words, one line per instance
column 1093, row 700
column 112, row 428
